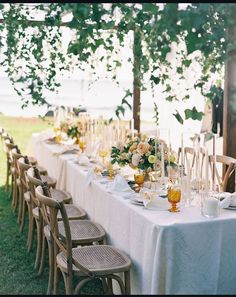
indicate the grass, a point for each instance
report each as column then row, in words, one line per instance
column 18, row 276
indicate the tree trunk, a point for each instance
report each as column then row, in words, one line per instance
column 137, row 51
column 229, row 115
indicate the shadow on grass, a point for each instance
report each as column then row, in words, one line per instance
column 18, row 276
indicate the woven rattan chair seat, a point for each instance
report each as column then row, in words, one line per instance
column 50, row 180
column 74, row 212
column 100, row 259
column 83, row 231
column 60, row 195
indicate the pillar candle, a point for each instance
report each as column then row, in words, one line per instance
column 206, row 171
column 162, row 162
column 214, row 164
column 182, row 150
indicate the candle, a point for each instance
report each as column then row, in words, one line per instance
column 162, row 162
column 188, row 185
column 206, row 171
column 182, row 155
column 214, row 164
column 211, row 207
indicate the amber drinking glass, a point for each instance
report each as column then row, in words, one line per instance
column 139, row 179
column 174, row 196
column 82, row 144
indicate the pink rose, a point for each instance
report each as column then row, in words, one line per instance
column 135, row 159
column 143, row 148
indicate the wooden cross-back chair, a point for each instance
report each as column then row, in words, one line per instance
column 9, row 145
column 90, row 262
column 221, row 179
column 190, row 156
column 86, row 232
column 16, row 154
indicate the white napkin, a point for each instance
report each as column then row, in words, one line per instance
column 233, row 199
column 64, row 149
column 119, row 184
column 157, row 203
column 226, row 199
column 83, row 160
column 91, row 175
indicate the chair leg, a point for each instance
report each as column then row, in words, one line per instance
column 51, row 268
column 30, row 230
column 7, row 175
column 39, row 243
column 68, row 283
column 20, row 206
column 104, row 285
column 110, row 287
column 43, row 251
column 14, row 199
column 127, row 282
column 57, row 274
column 22, row 223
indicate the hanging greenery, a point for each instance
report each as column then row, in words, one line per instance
column 34, row 59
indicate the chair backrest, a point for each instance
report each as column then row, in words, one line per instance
column 5, row 137
column 16, row 156
column 9, row 146
column 22, row 171
column 33, row 180
column 50, row 208
column 226, row 165
column 190, row 157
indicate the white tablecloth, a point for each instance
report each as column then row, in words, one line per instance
column 172, row 253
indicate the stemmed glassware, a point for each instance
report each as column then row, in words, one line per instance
column 174, row 196
column 82, row 144
column 139, row 178
column 103, row 152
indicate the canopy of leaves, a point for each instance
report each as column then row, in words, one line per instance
column 33, row 57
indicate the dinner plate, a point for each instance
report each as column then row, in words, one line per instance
column 231, row 207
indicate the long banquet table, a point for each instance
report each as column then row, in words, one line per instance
column 171, row 253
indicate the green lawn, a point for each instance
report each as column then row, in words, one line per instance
column 18, row 276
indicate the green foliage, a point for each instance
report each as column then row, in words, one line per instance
column 201, row 27
column 178, row 117
column 193, row 114
column 156, row 116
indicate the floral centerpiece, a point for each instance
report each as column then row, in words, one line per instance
column 72, row 128
column 142, row 153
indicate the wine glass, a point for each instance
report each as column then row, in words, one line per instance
column 103, row 152
column 82, row 144
column 174, row 196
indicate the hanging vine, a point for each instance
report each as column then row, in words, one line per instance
column 33, row 56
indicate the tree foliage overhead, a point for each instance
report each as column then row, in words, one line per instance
column 33, row 55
